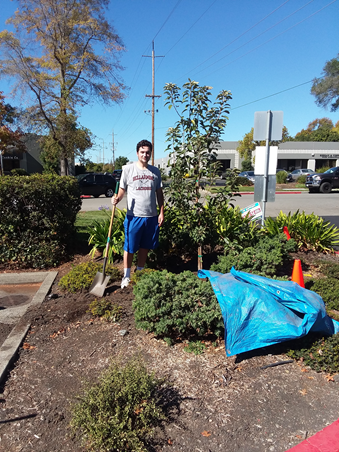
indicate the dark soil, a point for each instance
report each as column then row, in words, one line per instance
column 217, row 403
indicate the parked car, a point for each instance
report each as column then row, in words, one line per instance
column 248, row 174
column 323, row 182
column 96, row 184
column 294, row 175
column 117, row 174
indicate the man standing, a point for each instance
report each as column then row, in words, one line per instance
column 144, row 189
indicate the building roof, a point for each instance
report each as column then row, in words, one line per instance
column 310, row 145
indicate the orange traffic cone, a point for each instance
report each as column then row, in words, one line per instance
column 285, row 231
column 297, row 274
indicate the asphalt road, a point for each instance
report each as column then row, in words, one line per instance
column 324, row 205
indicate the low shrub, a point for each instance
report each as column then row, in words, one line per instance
column 119, row 412
column 302, row 179
column 309, row 231
column 281, row 177
column 328, row 289
column 265, row 258
column 106, row 310
column 81, row 276
column 329, row 269
column 19, row 172
column 322, row 355
column 244, row 182
column 138, row 274
column 176, row 305
column 196, row 347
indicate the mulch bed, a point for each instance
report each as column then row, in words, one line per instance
column 215, row 403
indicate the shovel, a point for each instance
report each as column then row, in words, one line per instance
column 101, row 280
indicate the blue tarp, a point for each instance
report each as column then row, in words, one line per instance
column 259, row 311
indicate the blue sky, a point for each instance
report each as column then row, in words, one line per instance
column 253, row 48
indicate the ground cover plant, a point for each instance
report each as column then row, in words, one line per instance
column 121, row 410
column 105, row 309
column 265, row 258
column 81, row 276
column 321, row 354
column 176, row 306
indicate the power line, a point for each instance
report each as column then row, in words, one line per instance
column 162, row 26
column 274, row 37
column 238, row 37
column 271, row 95
column 260, row 34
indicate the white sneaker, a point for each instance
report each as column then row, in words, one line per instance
column 125, row 282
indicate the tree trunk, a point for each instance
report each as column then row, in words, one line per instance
column 63, row 167
column 199, row 257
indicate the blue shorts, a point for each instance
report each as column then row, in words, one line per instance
column 141, row 232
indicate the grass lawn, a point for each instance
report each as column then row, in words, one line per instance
column 85, row 219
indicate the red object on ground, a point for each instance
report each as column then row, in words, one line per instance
column 285, row 231
column 297, row 274
column 327, row 440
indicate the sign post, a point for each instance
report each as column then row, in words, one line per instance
column 267, row 126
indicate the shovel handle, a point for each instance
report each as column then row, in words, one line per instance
column 110, row 226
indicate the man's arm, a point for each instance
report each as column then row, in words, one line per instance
column 160, row 199
column 116, row 199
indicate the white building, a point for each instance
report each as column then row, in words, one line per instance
column 291, row 155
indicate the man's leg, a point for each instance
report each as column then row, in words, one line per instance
column 142, row 256
column 128, row 259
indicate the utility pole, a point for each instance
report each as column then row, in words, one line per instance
column 153, row 96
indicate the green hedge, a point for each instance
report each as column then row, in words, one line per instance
column 176, row 306
column 37, row 216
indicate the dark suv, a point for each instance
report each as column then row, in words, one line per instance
column 323, row 182
column 97, row 184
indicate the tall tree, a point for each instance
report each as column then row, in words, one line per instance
column 318, row 130
column 120, row 162
column 63, row 53
column 247, row 145
column 326, row 88
column 9, row 134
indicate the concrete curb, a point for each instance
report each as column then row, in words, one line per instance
column 11, row 345
column 327, row 440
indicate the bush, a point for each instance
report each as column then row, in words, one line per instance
column 81, row 276
column 176, row 305
column 322, row 355
column 281, row 177
column 265, row 258
column 37, row 216
column 309, row 231
column 302, row 179
column 98, row 233
column 243, row 181
column 235, row 231
column 119, row 412
column 19, row 172
column 323, row 169
column 106, row 310
column 328, row 289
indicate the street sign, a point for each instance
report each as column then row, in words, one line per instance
column 254, row 211
column 261, row 131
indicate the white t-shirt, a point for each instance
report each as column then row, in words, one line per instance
column 141, row 186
